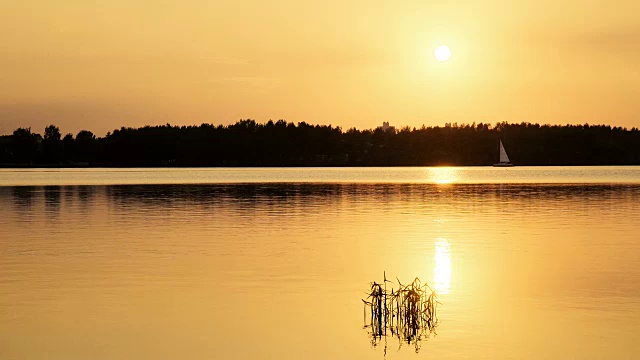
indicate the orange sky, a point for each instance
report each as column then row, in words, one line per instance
column 104, row 64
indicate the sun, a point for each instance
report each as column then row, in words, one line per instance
column 442, row 53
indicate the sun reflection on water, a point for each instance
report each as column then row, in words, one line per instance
column 442, row 175
column 442, row 269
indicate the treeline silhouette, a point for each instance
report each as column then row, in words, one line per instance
column 281, row 143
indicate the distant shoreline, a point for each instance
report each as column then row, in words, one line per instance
column 283, row 144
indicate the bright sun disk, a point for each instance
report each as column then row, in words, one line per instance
column 442, row 53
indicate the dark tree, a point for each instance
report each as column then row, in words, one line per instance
column 52, row 145
column 68, row 148
column 25, row 146
column 85, row 147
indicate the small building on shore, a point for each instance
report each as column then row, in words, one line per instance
column 386, row 127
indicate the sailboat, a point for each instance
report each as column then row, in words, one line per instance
column 504, row 158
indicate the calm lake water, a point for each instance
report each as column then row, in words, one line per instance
column 529, row 263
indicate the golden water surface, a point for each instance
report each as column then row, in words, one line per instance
column 276, row 269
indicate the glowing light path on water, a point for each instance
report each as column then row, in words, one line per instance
column 442, row 269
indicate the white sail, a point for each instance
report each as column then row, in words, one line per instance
column 503, row 154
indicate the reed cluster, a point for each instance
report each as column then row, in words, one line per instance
column 406, row 312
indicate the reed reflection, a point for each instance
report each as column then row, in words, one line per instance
column 442, row 269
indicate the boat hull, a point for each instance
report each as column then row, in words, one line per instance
column 503, row 165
